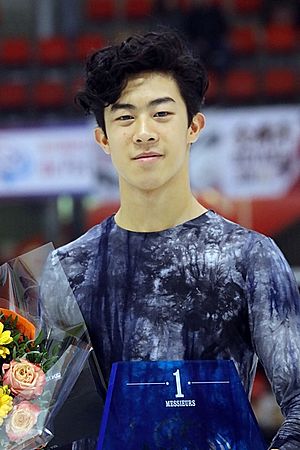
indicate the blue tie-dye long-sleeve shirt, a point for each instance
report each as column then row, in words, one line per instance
column 204, row 289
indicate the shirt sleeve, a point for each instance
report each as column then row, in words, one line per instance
column 274, row 315
column 59, row 309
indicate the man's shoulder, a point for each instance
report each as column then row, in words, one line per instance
column 228, row 230
column 86, row 244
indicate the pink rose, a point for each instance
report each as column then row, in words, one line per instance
column 25, row 379
column 21, row 420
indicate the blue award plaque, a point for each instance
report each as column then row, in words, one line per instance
column 177, row 405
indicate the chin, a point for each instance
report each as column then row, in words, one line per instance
column 146, row 184
column 149, row 187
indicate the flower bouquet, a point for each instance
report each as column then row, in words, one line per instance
column 41, row 356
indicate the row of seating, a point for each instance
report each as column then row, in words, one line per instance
column 108, row 9
column 273, row 38
column 59, row 50
column 19, row 96
column 56, row 50
column 239, row 85
column 254, row 86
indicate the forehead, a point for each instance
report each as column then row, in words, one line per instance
column 147, row 85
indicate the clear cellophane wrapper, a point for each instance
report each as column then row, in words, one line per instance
column 43, row 318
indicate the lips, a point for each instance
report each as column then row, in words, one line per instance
column 147, row 155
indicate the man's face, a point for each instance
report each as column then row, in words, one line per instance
column 148, row 136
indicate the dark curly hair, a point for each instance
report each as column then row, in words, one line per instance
column 108, row 70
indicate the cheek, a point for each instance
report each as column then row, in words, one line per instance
column 180, row 139
column 118, row 139
column 126, row 137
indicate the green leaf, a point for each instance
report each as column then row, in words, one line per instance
column 17, row 337
column 39, row 339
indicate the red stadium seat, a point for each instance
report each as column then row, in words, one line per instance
column 15, row 51
column 280, row 83
column 13, row 95
column 280, row 38
column 87, row 44
column 50, row 95
column 247, row 6
column 53, row 51
column 243, row 40
column 184, row 4
column 241, row 85
column 136, row 9
column 100, row 9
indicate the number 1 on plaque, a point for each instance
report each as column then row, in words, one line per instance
column 178, row 384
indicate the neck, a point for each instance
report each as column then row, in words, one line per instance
column 156, row 210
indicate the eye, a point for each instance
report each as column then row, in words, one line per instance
column 162, row 114
column 125, row 117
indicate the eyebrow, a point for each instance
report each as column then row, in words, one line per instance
column 155, row 102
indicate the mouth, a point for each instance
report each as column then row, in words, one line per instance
column 147, row 156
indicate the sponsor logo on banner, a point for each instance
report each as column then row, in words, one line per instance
column 47, row 161
column 15, row 164
column 248, row 152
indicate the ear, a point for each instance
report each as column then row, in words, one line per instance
column 197, row 124
column 102, row 140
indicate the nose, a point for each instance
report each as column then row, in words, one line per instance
column 144, row 134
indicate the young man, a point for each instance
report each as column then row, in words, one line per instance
column 165, row 279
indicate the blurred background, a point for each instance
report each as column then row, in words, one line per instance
column 54, row 181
